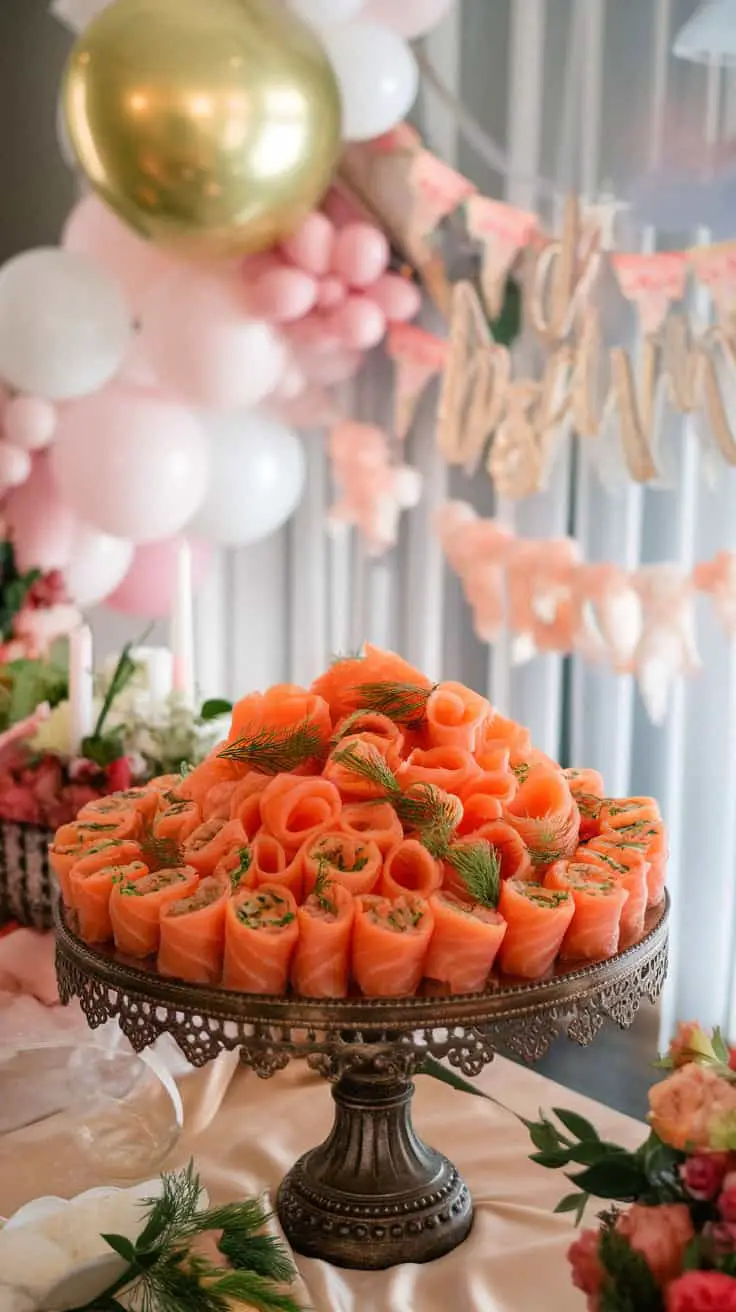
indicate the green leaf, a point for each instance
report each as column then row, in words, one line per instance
column 215, row 707
column 590, row 1154
column 576, row 1124
column 576, row 1203
column 436, row 1071
column 122, row 1246
column 720, row 1047
column 103, row 751
column 619, row 1177
column 544, row 1136
column 554, row 1159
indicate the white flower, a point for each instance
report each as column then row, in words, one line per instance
column 53, row 1256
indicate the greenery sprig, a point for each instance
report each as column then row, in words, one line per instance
column 164, row 1275
column 160, row 853
column 478, row 864
column 104, row 748
column 423, row 807
column 276, row 751
column 404, row 703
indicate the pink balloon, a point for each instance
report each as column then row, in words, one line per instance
column 410, row 18
column 41, row 525
column 131, row 464
column 341, row 210
column 310, row 247
column 92, row 229
column 399, row 298
column 331, row 292
column 360, row 322
column 29, row 422
column 284, row 295
column 361, row 254
column 316, row 332
column 148, row 589
column 292, row 384
column 15, row 465
column 202, row 346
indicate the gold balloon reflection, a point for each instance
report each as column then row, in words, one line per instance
column 210, row 126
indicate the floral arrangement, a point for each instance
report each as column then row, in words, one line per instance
column 159, row 1247
column 672, row 1246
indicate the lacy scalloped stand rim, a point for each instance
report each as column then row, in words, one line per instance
column 373, row 1195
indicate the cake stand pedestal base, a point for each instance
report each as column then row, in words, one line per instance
column 373, row 1195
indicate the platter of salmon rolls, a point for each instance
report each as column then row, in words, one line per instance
column 374, row 836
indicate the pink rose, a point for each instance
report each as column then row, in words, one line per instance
column 660, row 1234
column 702, row 1291
column 687, row 1109
column 702, row 1175
column 587, row 1271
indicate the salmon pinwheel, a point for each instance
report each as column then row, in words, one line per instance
column 455, row 717
column 321, row 963
column 353, row 862
column 104, row 852
column 619, row 813
column 628, row 867
column 369, row 722
column 177, row 821
column 390, row 943
column 585, row 783
column 500, row 732
column 90, row 895
column 237, row 866
column 514, row 858
column 649, row 838
column 296, row 810
column 261, row 934
column 217, row 801
column 192, row 944
column 136, row 906
column 545, row 815
column 479, row 809
column 594, row 932
column 448, row 768
column 285, row 728
column 372, row 822
column 245, row 802
column 464, row 944
column 410, row 868
column 348, row 684
column 354, row 787
column 145, row 801
column 270, row 863
column 209, row 843
column 538, row 919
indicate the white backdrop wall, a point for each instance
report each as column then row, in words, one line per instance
column 582, row 92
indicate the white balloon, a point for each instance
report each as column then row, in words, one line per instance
column 98, row 563
column 325, row 13
column 410, row 18
column 377, row 75
column 15, row 465
column 257, row 479
column 64, row 325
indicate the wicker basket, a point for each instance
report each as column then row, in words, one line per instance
column 27, row 883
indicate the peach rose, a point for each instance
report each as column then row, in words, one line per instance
column 587, row 1271
column 689, row 1044
column 660, row 1234
column 693, row 1108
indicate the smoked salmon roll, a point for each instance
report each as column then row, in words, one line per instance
column 478, row 809
column 373, row 822
column 353, row 786
column 501, row 732
column 237, row 866
column 136, row 906
column 341, row 686
column 593, row 934
column 108, row 851
column 295, row 810
column 271, row 864
column 545, row 815
column 353, row 862
column 321, row 963
column 209, row 842
column 464, row 944
column 455, row 716
column 177, row 821
column 370, row 722
column 90, row 894
column 214, row 770
column 650, row 839
column 390, row 944
column 261, row 934
column 145, row 801
column 618, row 812
column 589, row 807
column 192, row 928
column 627, row 867
column 585, row 783
column 516, row 863
column 218, row 800
column 283, row 707
column 538, row 919
column 409, row 868
column 448, row 768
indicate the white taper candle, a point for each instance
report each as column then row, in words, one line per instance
column 81, row 687
column 182, row 626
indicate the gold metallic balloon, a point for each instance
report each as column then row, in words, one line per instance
column 210, row 126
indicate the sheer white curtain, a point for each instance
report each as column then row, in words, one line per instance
column 579, row 91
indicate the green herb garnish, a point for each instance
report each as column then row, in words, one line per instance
column 404, row 703
column 479, row 866
column 276, row 751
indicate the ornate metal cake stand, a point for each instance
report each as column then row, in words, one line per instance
column 373, row 1194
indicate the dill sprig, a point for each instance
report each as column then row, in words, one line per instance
column 521, row 771
column 276, row 751
column 322, row 883
column 160, row 853
column 423, row 807
column 404, row 703
column 164, row 1275
column 245, row 856
column 479, row 866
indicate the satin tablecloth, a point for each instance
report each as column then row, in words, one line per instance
column 245, row 1134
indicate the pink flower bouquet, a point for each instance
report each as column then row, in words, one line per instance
column 672, row 1248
